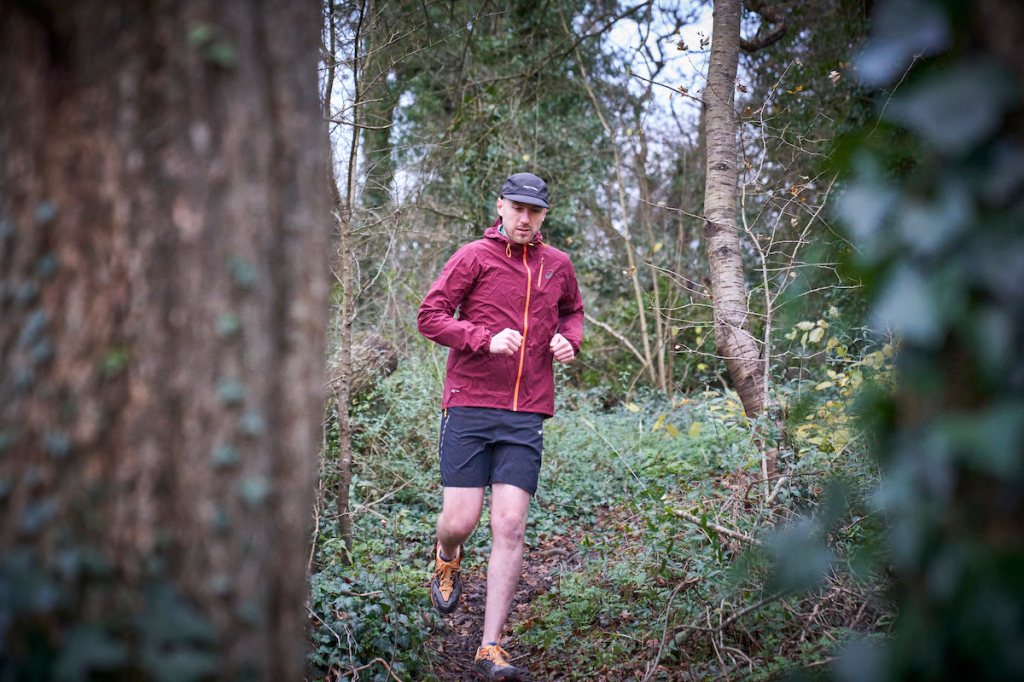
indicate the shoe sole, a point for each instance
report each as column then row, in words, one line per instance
column 519, row 676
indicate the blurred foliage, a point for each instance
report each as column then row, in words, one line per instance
column 934, row 207
column 51, row 628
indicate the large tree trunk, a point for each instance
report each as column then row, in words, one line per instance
column 732, row 336
column 163, row 248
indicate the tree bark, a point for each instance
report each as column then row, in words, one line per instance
column 163, row 240
column 732, row 336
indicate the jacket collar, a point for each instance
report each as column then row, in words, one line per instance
column 493, row 232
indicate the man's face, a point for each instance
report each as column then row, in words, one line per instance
column 521, row 221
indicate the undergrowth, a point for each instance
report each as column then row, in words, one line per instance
column 675, row 571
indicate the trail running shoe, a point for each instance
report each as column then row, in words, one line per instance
column 446, row 587
column 492, row 662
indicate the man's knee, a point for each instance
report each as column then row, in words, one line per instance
column 508, row 529
column 456, row 523
column 459, row 520
column 460, row 512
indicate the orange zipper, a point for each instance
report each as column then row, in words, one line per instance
column 526, row 326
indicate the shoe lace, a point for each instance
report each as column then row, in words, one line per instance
column 445, row 574
column 495, row 654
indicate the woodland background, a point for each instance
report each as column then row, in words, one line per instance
column 792, row 443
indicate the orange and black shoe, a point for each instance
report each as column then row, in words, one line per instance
column 446, row 586
column 492, row 663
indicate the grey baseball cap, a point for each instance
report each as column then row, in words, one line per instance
column 526, row 188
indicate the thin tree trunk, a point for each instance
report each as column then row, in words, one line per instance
column 344, row 384
column 661, row 342
column 345, row 210
column 732, row 336
column 377, row 105
column 163, row 225
column 638, row 293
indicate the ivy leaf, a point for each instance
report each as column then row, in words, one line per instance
column 904, row 29
column 956, row 109
column 906, row 306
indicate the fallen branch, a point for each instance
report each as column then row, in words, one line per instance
column 734, row 534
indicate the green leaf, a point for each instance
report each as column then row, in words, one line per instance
column 904, row 29
column 864, row 207
column 87, row 651
column 907, row 307
column 956, row 109
column 200, row 33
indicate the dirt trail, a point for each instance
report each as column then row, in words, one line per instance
column 452, row 647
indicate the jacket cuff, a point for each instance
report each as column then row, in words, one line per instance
column 482, row 340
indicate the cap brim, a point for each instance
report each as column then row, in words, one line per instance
column 523, row 199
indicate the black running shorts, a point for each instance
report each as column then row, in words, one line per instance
column 482, row 445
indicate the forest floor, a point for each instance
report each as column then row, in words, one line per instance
column 626, row 573
column 453, row 647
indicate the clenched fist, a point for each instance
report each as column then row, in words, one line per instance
column 562, row 349
column 506, row 342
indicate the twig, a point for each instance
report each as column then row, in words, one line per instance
column 775, row 492
column 653, row 665
column 734, row 617
column 622, row 339
column 391, row 673
column 321, row 620
column 617, row 453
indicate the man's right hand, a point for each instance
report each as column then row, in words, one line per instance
column 506, row 342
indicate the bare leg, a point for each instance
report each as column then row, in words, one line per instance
column 460, row 513
column 509, row 506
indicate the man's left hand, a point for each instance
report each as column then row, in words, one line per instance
column 562, row 349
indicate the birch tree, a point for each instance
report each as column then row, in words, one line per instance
column 733, row 339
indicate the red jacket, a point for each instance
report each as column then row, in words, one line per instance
column 493, row 284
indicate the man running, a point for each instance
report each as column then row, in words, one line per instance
column 518, row 308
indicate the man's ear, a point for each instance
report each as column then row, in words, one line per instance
column 498, row 204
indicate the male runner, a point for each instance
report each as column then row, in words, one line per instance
column 518, row 308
